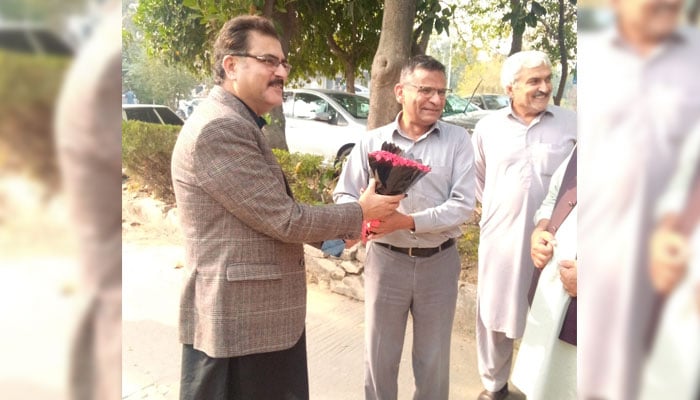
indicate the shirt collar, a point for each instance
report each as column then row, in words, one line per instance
column 512, row 114
column 258, row 119
column 435, row 128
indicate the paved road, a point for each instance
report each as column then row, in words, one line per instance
column 151, row 359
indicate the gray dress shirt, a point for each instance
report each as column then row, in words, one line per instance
column 439, row 202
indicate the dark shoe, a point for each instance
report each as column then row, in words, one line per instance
column 500, row 395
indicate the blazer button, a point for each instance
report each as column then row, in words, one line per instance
column 301, row 262
column 572, row 203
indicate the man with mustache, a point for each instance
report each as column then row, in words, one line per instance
column 412, row 263
column 517, row 149
column 637, row 107
column 243, row 303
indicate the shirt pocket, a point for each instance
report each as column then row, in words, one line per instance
column 432, row 189
column 547, row 157
column 253, row 272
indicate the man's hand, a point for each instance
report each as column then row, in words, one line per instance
column 668, row 257
column 394, row 222
column 377, row 206
column 567, row 273
column 541, row 246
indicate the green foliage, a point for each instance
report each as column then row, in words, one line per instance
column 468, row 245
column 149, row 71
column 545, row 36
column 335, row 37
column 484, row 76
column 28, row 90
column 40, row 10
column 146, row 153
column 311, row 181
column 178, row 33
column 153, row 81
column 326, row 38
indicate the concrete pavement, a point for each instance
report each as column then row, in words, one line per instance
column 151, row 352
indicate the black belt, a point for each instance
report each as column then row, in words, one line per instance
column 419, row 251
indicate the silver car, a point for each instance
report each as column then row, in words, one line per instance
column 324, row 122
column 461, row 112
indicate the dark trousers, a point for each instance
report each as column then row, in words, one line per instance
column 279, row 375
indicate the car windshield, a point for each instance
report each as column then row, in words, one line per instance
column 455, row 104
column 169, row 117
column 357, row 106
column 495, row 102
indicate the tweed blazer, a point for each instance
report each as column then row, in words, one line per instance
column 245, row 286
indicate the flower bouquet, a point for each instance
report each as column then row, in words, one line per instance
column 394, row 174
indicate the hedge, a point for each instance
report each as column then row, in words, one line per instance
column 146, row 153
column 29, row 86
column 147, row 150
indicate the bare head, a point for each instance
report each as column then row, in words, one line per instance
column 249, row 62
column 527, row 79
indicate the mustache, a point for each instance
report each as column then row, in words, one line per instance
column 277, row 81
column 539, row 92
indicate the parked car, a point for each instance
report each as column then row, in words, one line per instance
column 461, row 112
column 152, row 113
column 489, row 101
column 324, row 122
column 186, row 107
column 24, row 37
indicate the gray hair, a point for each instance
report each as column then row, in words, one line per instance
column 421, row 62
column 524, row 59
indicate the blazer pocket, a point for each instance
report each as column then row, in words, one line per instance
column 253, row 272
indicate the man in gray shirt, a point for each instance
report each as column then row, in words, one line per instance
column 517, row 149
column 412, row 262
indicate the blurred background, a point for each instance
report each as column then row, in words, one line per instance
column 42, row 290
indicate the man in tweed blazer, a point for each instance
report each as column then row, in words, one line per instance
column 243, row 303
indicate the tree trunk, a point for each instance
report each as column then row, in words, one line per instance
column 562, row 53
column 274, row 131
column 693, row 12
column 393, row 50
column 288, row 20
column 348, row 63
column 517, row 26
column 420, row 46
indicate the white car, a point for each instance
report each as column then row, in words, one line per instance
column 324, row 122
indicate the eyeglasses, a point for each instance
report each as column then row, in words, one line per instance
column 269, row 60
column 427, row 91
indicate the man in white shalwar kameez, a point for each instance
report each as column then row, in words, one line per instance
column 638, row 98
column 517, row 149
column 546, row 364
column 673, row 367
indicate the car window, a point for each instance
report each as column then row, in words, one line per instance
column 308, row 106
column 496, row 102
column 453, row 105
column 472, row 107
column 33, row 40
column 288, row 103
column 357, row 106
column 477, row 102
column 144, row 114
column 169, row 117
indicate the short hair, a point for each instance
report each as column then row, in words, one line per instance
column 523, row 59
column 233, row 38
column 421, row 62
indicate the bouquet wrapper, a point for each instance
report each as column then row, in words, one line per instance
column 394, row 174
